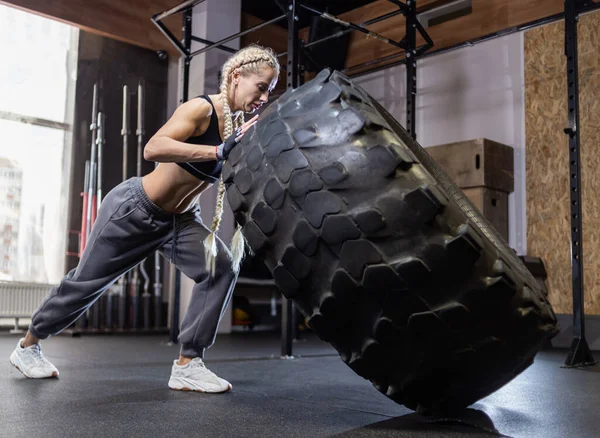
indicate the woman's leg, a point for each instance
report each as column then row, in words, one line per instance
column 210, row 294
column 210, row 297
column 128, row 229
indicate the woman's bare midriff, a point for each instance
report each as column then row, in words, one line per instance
column 172, row 188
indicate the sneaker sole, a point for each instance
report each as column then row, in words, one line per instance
column 12, row 362
column 176, row 385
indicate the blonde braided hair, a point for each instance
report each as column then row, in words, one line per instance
column 249, row 60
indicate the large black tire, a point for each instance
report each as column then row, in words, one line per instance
column 387, row 258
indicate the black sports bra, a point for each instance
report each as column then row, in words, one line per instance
column 208, row 171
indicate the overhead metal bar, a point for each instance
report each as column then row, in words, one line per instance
column 237, row 35
column 348, row 30
column 207, row 42
column 186, row 6
column 403, row 9
column 354, row 26
column 179, row 8
column 383, row 17
column 580, row 353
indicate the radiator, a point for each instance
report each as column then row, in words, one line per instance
column 20, row 300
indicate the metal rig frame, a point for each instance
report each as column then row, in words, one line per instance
column 295, row 77
column 580, row 354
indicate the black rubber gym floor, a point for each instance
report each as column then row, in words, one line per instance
column 116, row 386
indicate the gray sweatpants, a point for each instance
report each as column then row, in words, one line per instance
column 129, row 228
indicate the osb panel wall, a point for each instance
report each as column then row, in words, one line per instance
column 548, row 203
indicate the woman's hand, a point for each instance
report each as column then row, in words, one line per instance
column 224, row 149
column 246, row 125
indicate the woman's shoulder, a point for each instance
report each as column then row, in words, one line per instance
column 196, row 108
column 200, row 103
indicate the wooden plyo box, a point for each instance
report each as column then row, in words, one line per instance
column 484, row 170
column 477, row 163
column 493, row 204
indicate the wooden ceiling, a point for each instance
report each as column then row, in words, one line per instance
column 129, row 21
column 487, row 17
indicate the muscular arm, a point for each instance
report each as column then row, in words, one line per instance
column 167, row 145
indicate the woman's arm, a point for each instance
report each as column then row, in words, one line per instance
column 167, row 145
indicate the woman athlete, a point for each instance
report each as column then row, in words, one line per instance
column 160, row 212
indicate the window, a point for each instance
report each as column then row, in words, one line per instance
column 37, row 82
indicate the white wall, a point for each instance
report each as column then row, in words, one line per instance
column 173, row 85
column 212, row 20
column 197, row 66
column 469, row 93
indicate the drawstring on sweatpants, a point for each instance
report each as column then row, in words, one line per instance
column 174, row 239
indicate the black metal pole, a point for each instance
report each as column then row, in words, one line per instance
column 411, row 67
column 287, row 306
column 166, row 32
column 302, row 54
column 187, row 43
column 580, row 354
column 140, row 132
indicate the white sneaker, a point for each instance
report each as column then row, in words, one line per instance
column 31, row 362
column 194, row 376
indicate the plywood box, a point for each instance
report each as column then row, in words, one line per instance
column 477, row 163
column 493, row 204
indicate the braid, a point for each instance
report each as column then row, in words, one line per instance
column 246, row 61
